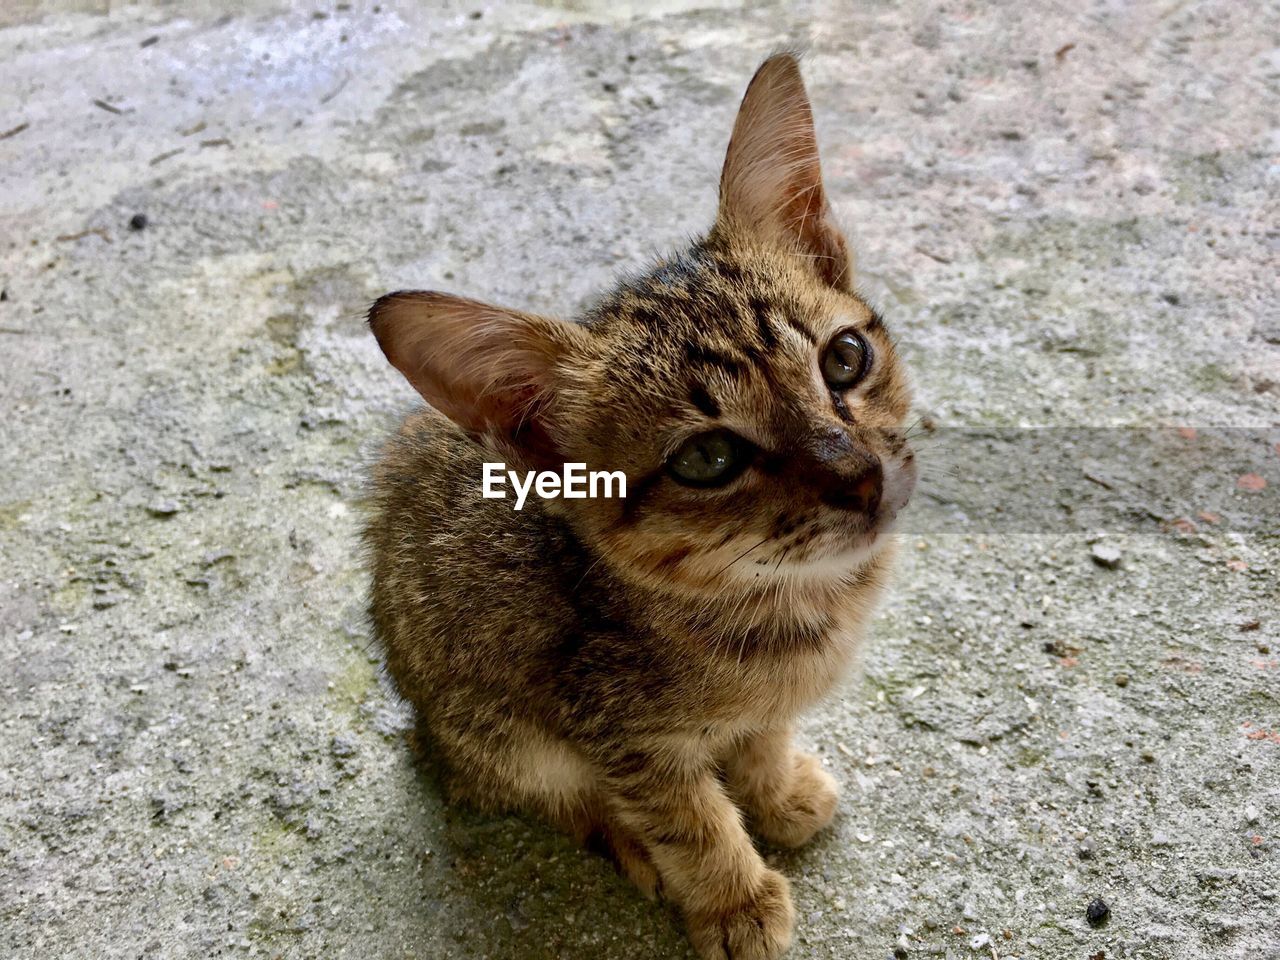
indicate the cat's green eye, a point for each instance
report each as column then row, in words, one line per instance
column 846, row 360
column 710, row 459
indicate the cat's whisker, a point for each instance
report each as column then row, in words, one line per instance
column 742, row 645
column 763, row 540
column 587, row 572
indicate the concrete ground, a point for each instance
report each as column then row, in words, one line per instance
column 1068, row 215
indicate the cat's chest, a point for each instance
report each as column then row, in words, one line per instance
column 803, row 663
column 788, row 683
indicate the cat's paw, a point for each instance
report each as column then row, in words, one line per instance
column 806, row 809
column 628, row 855
column 757, row 930
column 633, row 862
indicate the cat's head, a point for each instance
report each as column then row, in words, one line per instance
column 753, row 400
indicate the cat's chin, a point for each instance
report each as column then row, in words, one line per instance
column 841, row 562
column 840, row 557
column 848, row 554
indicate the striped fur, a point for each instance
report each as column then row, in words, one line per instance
column 632, row 669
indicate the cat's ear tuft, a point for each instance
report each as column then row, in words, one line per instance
column 491, row 370
column 772, row 179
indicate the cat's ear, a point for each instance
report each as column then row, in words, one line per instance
column 772, row 180
column 488, row 369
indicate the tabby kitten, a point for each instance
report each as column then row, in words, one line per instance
column 631, row 669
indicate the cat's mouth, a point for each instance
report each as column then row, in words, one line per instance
column 866, row 541
column 899, row 484
column 845, row 542
column 870, row 538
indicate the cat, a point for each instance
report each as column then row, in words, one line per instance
column 631, row 668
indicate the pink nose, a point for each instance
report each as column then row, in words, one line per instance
column 861, row 494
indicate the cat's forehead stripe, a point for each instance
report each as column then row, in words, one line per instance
column 701, row 398
column 759, row 308
column 706, row 355
column 794, row 322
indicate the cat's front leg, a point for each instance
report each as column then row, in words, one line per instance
column 788, row 794
column 735, row 907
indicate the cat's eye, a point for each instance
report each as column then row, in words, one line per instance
column 710, row 459
column 846, row 360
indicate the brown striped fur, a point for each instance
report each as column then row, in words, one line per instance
column 631, row 669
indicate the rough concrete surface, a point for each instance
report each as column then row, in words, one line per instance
column 1066, row 211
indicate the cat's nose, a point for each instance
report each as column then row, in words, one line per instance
column 860, row 493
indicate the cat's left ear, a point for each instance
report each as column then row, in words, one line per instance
column 772, row 179
column 492, row 371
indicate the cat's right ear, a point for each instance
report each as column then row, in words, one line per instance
column 488, row 369
column 771, row 184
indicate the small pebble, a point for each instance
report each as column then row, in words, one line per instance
column 1122, row 679
column 1086, row 850
column 138, row 221
column 1097, row 912
column 1105, row 555
column 163, row 508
